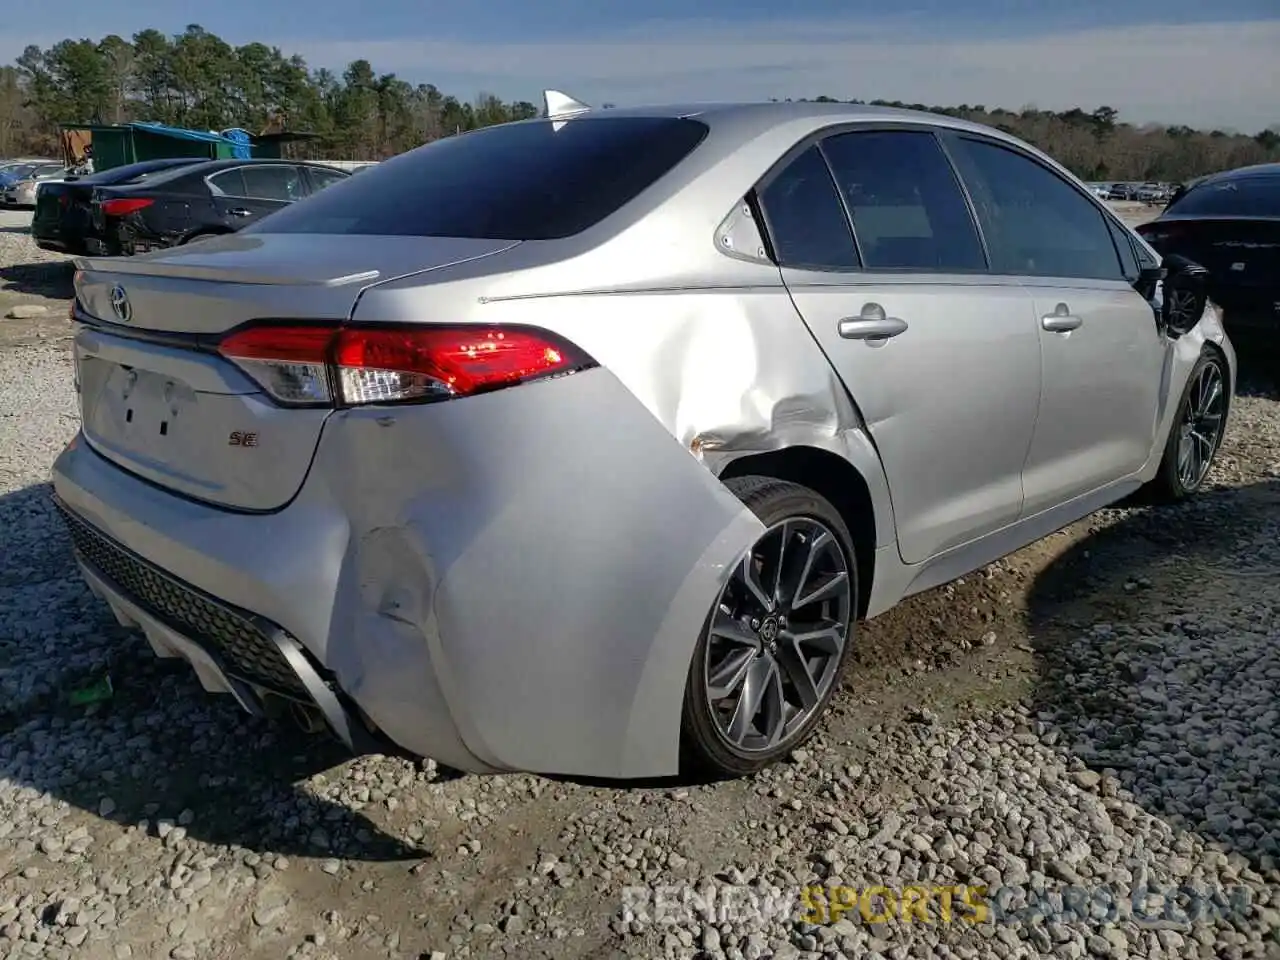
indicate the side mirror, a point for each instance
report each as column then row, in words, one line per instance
column 1186, row 292
column 1148, row 280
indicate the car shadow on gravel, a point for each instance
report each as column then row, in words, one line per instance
column 1259, row 371
column 1158, row 647
column 51, row 279
column 153, row 745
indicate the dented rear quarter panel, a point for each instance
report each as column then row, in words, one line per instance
column 563, row 568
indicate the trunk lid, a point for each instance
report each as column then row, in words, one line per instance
column 1237, row 251
column 155, row 397
column 49, row 203
column 62, row 210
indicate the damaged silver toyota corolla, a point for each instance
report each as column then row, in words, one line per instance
column 580, row 445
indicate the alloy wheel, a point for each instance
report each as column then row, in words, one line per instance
column 1201, row 428
column 777, row 635
column 1182, row 309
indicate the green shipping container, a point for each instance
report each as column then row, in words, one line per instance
column 118, row 144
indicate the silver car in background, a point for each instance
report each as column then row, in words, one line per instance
column 22, row 192
column 580, row 445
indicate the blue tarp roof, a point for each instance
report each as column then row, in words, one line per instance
column 242, row 140
column 179, row 132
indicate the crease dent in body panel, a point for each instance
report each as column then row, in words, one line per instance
column 732, row 381
column 441, row 637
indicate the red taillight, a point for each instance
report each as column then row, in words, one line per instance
column 307, row 364
column 123, row 207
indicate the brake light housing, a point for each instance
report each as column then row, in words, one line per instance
column 123, row 206
column 1157, row 233
column 355, row 365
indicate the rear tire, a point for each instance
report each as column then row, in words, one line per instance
column 776, row 640
column 1196, row 433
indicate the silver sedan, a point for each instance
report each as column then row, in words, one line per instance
column 581, row 445
column 23, row 192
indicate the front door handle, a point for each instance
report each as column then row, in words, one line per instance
column 871, row 324
column 1062, row 320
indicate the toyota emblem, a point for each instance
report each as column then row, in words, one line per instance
column 120, row 304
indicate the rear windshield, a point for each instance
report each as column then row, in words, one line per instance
column 135, row 172
column 537, row 180
column 176, row 175
column 1257, row 196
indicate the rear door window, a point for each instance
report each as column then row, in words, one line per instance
column 228, row 183
column 908, row 210
column 274, row 181
column 534, row 180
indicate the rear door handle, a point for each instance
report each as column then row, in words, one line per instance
column 871, row 324
column 1062, row 320
column 240, row 212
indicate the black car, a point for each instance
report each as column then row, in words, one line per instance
column 63, row 220
column 200, row 200
column 1229, row 223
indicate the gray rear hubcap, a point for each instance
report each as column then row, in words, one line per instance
column 777, row 634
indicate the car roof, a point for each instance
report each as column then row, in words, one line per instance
column 205, row 168
column 738, row 123
column 1253, row 170
column 763, row 115
column 212, row 166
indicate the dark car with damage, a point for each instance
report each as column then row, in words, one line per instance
column 201, row 200
column 1229, row 223
column 63, row 219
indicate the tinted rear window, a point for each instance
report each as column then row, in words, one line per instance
column 134, row 172
column 520, row 181
column 1257, row 196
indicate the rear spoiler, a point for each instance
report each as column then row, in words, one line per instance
column 145, row 266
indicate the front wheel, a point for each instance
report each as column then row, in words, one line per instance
column 776, row 639
column 1196, row 433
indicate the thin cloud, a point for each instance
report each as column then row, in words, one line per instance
column 1220, row 75
column 1211, row 74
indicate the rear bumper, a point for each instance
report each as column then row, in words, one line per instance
column 226, row 584
column 231, row 651
column 514, row 581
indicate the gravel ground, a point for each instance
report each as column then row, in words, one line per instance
column 1088, row 729
column 29, row 277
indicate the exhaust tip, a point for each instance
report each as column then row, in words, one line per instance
column 308, row 719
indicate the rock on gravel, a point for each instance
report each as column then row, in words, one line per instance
column 1070, row 754
column 30, row 278
column 27, row 311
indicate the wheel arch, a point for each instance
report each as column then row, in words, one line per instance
column 1213, row 348
column 835, row 479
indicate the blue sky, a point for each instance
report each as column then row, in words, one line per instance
column 1188, row 61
